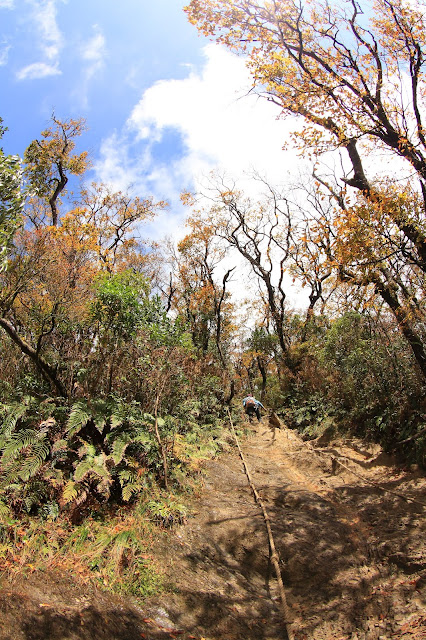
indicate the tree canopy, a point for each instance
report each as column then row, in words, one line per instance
column 11, row 200
column 354, row 74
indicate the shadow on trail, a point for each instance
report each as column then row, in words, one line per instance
column 40, row 622
column 230, row 618
column 339, row 551
column 380, row 460
column 336, row 552
column 352, row 556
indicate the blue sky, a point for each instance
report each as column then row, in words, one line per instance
column 163, row 106
column 87, row 58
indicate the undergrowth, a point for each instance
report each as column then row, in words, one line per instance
column 113, row 551
column 106, row 451
column 82, row 488
column 355, row 379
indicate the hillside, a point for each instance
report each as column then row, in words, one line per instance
column 351, row 541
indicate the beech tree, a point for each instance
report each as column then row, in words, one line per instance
column 204, row 299
column 261, row 348
column 268, row 235
column 354, row 74
column 112, row 218
column 57, row 255
column 260, row 232
column 367, row 253
column 348, row 69
column 50, row 161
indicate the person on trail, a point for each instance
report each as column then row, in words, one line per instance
column 252, row 407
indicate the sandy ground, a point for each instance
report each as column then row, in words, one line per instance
column 349, row 526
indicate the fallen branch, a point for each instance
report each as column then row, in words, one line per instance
column 414, row 437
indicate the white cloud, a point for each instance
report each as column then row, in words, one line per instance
column 7, row 4
column 44, row 16
column 4, row 55
column 49, row 39
column 93, row 53
column 220, row 124
column 37, row 70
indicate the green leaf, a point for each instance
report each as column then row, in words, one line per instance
column 119, row 447
column 78, row 418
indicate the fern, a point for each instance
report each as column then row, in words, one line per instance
column 100, row 411
column 132, row 488
column 167, row 511
column 4, row 510
column 100, row 422
column 119, row 447
column 50, row 510
column 70, row 492
column 78, row 418
column 54, row 477
column 121, row 414
column 33, row 463
column 60, row 445
column 21, row 440
column 127, row 492
column 149, row 418
column 82, row 497
column 29, row 496
column 126, row 451
column 131, row 481
column 83, row 469
column 12, row 413
column 87, row 449
column 30, row 501
column 104, row 411
column 116, row 420
column 12, row 489
column 93, row 466
column 143, row 438
column 127, row 475
column 10, row 476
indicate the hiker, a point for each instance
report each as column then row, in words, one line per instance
column 252, row 406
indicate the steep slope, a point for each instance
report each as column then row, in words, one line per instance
column 353, row 555
column 352, row 552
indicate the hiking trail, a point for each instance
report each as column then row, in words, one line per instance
column 352, row 552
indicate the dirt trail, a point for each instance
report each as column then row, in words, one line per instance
column 353, row 556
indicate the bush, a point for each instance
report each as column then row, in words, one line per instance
column 371, row 381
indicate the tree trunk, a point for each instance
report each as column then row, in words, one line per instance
column 60, row 186
column 47, row 371
column 413, row 339
column 262, row 370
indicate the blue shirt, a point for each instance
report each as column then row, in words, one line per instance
column 258, row 403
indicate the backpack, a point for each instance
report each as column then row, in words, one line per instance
column 250, row 402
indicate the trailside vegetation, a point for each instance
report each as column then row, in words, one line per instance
column 352, row 77
column 120, row 357
column 11, row 199
column 107, row 406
